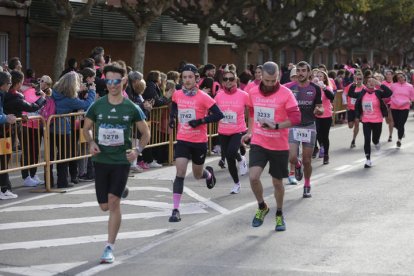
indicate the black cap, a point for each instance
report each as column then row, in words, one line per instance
column 190, row 67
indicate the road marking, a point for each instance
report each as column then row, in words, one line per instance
column 146, row 188
column 205, row 201
column 319, row 175
column 191, row 208
column 79, row 240
column 341, row 168
column 42, row 270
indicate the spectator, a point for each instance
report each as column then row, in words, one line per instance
column 72, row 66
column 15, row 64
column 174, row 76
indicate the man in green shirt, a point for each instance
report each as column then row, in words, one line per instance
column 113, row 116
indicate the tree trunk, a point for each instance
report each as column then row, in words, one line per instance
column 138, row 46
column 241, row 57
column 307, row 55
column 330, row 58
column 204, row 32
column 61, row 48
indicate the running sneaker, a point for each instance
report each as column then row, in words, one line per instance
column 377, row 146
column 315, row 152
column 299, row 170
column 37, row 179
column 259, row 217
column 368, row 164
column 236, row 189
column 175, row 216
column 222, row 164
column 154, row 165
column 29, row 182
column 280, row 223
column 86, row 178
column 243, row 166
column 107, row 256
column 125, row 193
column 398, row 144
column 390, row 139
column 326, row 159
column 292, row 180
column 212, row 181
column 352, row 144
column 143, row 165
column 306, row 192
column 136, row 169
column 321, row 152
column 8, row 195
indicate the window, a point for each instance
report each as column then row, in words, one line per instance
column 282, row 57
column 4, row 49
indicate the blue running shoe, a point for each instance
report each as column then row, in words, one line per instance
column 280, row 223
column 292, row 180
column 107, row 256
column 259, row 217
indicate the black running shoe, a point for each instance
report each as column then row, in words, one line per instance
column 212, row 181
column 175, row 216
column 398, row 144
column 125, row 193
column 306, row 192
column 299, row 170
column 222, row 164
column 315, row 152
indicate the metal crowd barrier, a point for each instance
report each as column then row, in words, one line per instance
column 338, row 105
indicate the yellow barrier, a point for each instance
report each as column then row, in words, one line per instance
column 338, row 106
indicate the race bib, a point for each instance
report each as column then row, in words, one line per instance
column 186, row 115
column 230, row 117
column 111, row 137
column 353, row 101
column 264, row 113
column 367, row 107
column 302, row 135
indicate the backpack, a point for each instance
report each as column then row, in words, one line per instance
column 48, row 109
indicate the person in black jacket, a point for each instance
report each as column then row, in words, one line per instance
column 370, row 109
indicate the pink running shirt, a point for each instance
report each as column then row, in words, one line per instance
column 233, row 107
column 192, row 108
column 327, row 105
column 401, row 95
column 371, row 110
column 351, row 101
column 273, row 107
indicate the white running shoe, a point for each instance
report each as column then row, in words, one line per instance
column 154, row 164
column 243, row 166
column 368, row 164
column 29, row 182
column 236, row 189
column 37, row 179
column 136, row 169
column 377, row 146
column 292, row 180
column 8, row 195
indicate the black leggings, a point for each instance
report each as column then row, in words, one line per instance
column 32, row 138
column 400, row 117
column 323, row 126
column 376, row 129
column 230, row 146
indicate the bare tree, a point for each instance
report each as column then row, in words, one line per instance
column 64, row 10
column 12, row 4
column 142, row 14
column 203, row 13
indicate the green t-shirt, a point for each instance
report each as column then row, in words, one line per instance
column 113, row 126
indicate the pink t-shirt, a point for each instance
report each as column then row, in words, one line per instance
column 192, row 108
column 371, row 110
column 327, row 106
column 401, row 95
column 31, row 97
column 274, row 108
column 387, row 84
column 251, row 84
column 351, row 101
column 233, row 107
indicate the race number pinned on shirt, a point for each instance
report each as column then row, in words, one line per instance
column 111, row 137
column 302, row 135
column 186, row 115
column 230, row 117
column 353, row 101
column 367, row 107
column 264, row 113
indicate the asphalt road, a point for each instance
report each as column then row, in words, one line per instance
column 358, row 222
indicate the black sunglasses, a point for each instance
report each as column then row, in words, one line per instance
column 229, row 79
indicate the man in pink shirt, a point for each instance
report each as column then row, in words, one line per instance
column 193, row 109
column 273, row 109
column 403, row 94
column 232, row 102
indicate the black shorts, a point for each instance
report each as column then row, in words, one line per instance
column 350, row 115
column 110, row 179
column 278, row 159
column 195, row 151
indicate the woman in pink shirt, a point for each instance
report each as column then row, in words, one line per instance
column 403, row 94
column 232, row 102
column 257, row 79
column 324, row 121
column 389, row 75
column 370, row 109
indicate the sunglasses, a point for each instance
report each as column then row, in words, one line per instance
column 229, row 79
column 113, row 82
